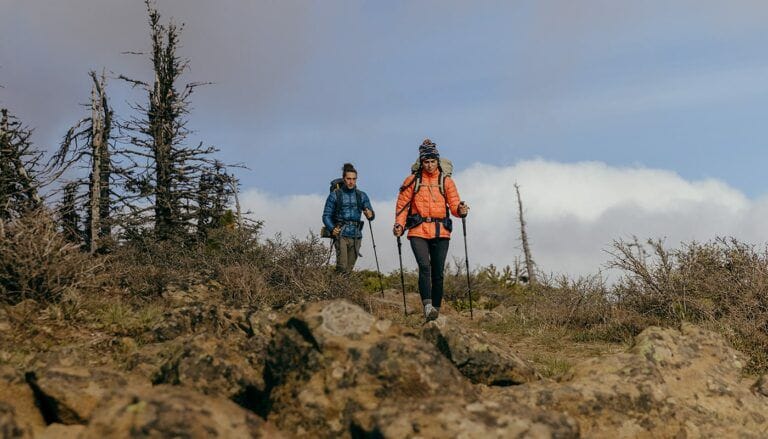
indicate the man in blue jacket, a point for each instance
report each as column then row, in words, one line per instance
column 342, row 215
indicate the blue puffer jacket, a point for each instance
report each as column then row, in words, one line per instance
column 350, row 212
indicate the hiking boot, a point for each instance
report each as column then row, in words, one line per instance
column 430, row 312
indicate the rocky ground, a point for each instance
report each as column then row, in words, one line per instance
column 332, row 369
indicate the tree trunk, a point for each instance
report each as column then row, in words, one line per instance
column 105, row 166
column 234, row 183
column 97, row 145
column 101, row 115
column 5, row 171
column 529, row 264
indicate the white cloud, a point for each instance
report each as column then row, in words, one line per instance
column 573, row 211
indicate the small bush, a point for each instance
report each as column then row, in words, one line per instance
column 251, row 273
column 299, row 270
column 245, row 283
column 36, row 262
column 722, row 284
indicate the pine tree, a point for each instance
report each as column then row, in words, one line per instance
column 214, row 191
column 68, row 215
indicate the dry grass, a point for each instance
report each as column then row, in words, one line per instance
column 722, row 285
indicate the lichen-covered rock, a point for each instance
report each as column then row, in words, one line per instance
column 214, row 366
column 69, row 395
column 672, row 383
column 171, row 411
column 229, row 364
column 446, row 417
column 332, row 360
column 197, row 318
column 476, row 356
column 15, row 392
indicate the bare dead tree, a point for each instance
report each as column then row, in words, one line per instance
column 168, row 172
column 529, row 264
column 19, row 168
column 89, row 141
column 235, row 188
column 101, row 117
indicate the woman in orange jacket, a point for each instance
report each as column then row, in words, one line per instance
column 424, row 210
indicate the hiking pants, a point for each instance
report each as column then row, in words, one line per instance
column 346, row 253
column 430, row 255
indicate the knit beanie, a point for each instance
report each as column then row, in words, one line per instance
column 428, row 150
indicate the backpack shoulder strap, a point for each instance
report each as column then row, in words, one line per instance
column 441, row 182
column 405, row 186
column 417, row 180
column 337, row 204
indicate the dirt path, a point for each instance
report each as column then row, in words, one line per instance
column 552, row 350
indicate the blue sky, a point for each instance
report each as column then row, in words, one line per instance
column 304, row 86
column 675, row 87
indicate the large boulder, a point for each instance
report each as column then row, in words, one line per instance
column 477, row 357
column 171, row 411
column 229, row 364
column 197, row 318
column 672, row 383
column 196, row 310
column 447, row 417
column 332, row 360
column 231, row 368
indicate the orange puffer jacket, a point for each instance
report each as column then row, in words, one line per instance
column 428, row 202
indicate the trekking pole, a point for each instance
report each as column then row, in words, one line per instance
column 378, row 271
column 402, row 278
column 466, row 259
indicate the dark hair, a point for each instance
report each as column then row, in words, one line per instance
column 348, row 167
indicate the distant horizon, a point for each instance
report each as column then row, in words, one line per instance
column 573, row 213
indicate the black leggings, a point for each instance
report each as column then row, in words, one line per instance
column 430, row 255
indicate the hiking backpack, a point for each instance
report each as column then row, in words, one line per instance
column 445, row 167
column 336, row 185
